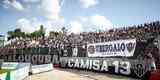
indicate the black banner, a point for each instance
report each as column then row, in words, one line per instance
column 127, row 67
column 32, row 58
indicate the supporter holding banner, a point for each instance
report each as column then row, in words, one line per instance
column 112, row 48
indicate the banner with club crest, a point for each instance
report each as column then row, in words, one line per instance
column 112, row 48
column 128, row 67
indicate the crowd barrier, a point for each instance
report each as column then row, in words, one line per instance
column 19, row 71
column 41, row 68
column 9, row 65
column 15, row 71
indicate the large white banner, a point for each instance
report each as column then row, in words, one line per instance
column 112, row 48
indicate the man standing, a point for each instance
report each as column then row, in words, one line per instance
column 149, row 62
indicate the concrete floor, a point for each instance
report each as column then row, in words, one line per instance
column 70, row 74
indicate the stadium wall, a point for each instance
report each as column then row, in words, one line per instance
column 18, row 71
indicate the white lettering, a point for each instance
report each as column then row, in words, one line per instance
column 116, row 65
column 126, row 68
column 76, row 63
column 69, row 62
column 84, row 65
column 90, row 64
column 104, row 66
column 27, row 58
column 96, row 65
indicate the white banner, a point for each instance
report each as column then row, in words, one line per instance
column 112, row 48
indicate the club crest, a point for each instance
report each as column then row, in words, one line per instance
column 130, row 46
column 91, row 49
column 139, row 68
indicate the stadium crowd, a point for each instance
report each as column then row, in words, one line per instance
column 62, row 43
column 141, row 33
